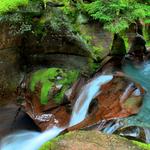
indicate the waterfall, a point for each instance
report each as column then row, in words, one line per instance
column 33, row 140
column 88, row 93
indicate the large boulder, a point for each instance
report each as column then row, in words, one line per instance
column 119, row 98
column 47, row 99
column 89, row 140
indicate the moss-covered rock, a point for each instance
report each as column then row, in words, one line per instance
column 89, row 140
column 51, row 80
column 143, row 146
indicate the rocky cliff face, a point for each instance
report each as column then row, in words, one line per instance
column 9, row 62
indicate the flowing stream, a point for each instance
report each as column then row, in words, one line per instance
column 141, row 74
column 26, row 140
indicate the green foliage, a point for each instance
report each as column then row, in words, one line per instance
column 20, row 14
column 48, row 79
column 117, row 14
column 9, row 5
column 31, row 16
column 141, row 145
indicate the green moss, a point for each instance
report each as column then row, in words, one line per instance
column 95, row 137
column 68, row 78
column 126, row 41
column 42, row 76
column 48, row 79
column 141, row 145
column 52, row 145
column 44, row 92
column 7, row 5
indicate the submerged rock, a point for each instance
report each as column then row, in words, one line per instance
column 89, row 140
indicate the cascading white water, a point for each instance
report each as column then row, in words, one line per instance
column 26, row 140
column 33, row 140
column 88, row 93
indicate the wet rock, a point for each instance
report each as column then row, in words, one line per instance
column 90, row 140
column 119, row 98
column 110, row 65
column 57, row 117
column 50, row 106
column 45, row 116
column 74, row 91
column 133, row 132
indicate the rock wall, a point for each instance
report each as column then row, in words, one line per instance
column 9, row 62
column 55, row 49
column 7, row 39
column 99, row 38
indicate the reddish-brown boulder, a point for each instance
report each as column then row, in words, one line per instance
column 119, row 98
column 45, row 116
